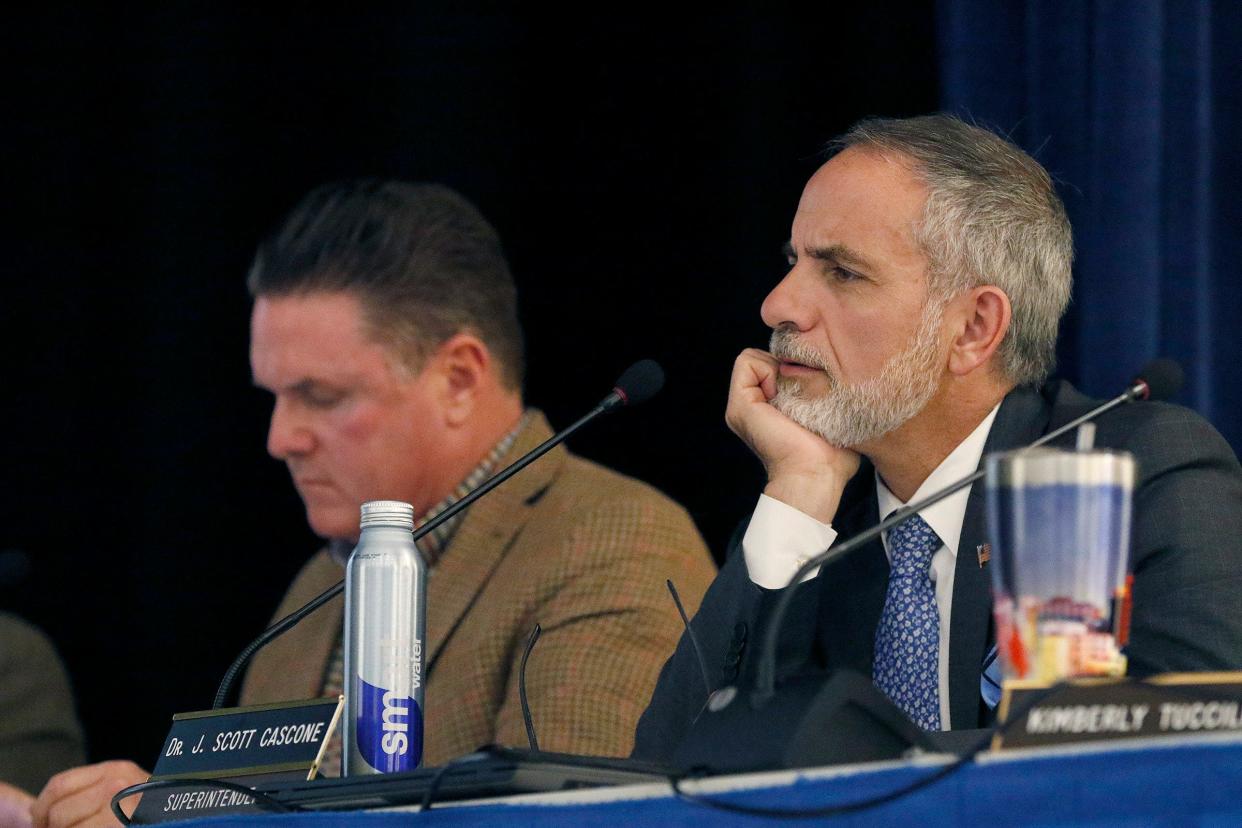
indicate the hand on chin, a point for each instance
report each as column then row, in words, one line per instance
column 804, row 470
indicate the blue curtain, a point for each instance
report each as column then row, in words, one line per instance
column 1134, row 107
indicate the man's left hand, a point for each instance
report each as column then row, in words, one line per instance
column 82, row 797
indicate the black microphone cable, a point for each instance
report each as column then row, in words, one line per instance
column 433, row 787
column 531, row 738
column 694, row 639
column 262, row 800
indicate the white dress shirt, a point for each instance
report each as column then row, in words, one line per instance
column 780, row 538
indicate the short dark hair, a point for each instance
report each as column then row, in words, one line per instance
column 420, row 258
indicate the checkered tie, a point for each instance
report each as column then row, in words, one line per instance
column 907, row 642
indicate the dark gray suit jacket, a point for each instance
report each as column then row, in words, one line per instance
column 1187, row 562
column 39, row 731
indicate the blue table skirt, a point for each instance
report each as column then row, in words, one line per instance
column 1158, row 783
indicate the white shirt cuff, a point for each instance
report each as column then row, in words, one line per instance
column 779, row 540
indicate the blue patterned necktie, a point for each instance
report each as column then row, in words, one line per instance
column 907, row 642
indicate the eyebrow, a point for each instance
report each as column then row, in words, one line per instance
column 835, row 253
column 303, row 386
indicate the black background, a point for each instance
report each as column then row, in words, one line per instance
column 642, row 172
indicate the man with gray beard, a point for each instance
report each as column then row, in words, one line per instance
column 914, row 332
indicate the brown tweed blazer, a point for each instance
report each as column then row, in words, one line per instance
column 579, row 549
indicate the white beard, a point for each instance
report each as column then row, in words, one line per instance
column 851, row 415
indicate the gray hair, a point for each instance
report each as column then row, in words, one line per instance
column 992, row 217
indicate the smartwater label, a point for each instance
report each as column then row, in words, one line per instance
column 389, row 729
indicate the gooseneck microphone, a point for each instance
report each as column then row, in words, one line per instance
column 1160, row 379
column 639, row 383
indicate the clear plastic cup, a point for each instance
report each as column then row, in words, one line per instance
column 1059, row 523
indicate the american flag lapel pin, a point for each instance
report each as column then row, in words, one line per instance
column 984, row 551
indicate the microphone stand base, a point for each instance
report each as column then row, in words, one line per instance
column 811, row 721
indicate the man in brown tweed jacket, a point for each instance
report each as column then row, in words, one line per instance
column 385, row 325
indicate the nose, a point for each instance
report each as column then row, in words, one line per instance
column 286, row 435
column 787, row 304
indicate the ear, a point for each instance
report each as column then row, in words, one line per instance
column 981, row 319
column 464, row 366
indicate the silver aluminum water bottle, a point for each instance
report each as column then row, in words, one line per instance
column 385, row 619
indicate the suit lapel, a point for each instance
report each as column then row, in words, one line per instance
column 485, row 535
column 971, row 616
column 292, row 666
column 1022, row 417
column 852, row 590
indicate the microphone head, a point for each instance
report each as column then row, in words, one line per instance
column 640, row 382
column 1163, row 378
